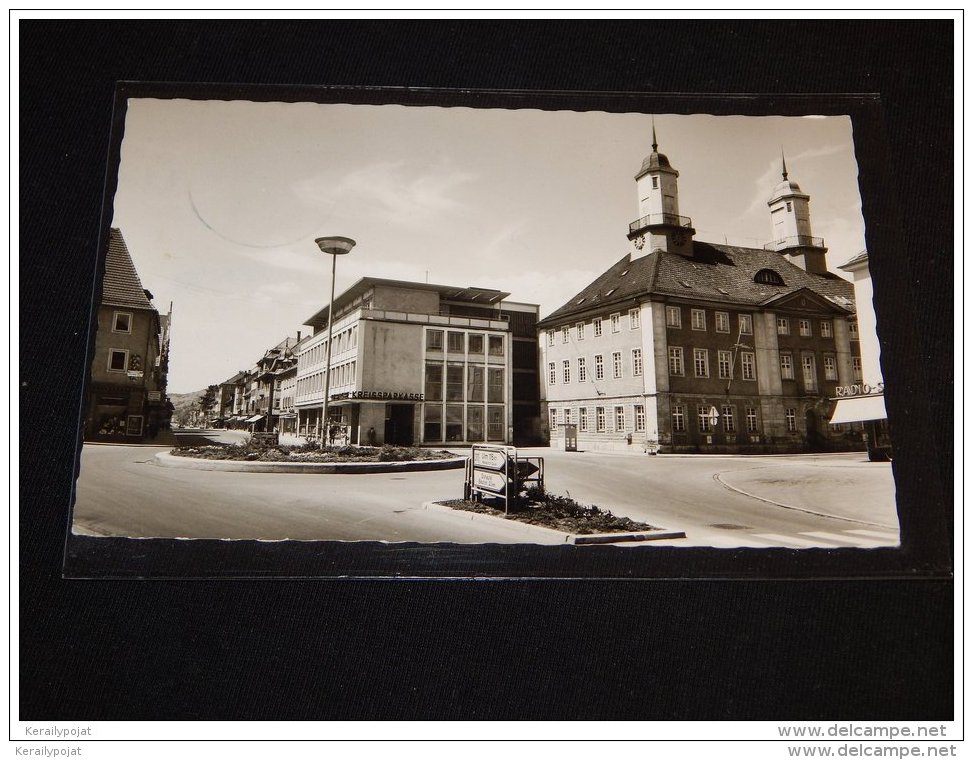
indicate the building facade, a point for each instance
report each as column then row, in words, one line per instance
column 688, row 346
column 127, row 392
column 414, row 363
column 863, row 401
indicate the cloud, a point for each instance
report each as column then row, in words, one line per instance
column 500, row 244
column 764, row 185
column 392, row 192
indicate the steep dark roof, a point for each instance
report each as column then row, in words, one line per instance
column 716, row 273
column 122, row 286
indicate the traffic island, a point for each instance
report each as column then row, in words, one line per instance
column 309, row 459
column 579, row 523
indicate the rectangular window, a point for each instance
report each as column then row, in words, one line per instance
column 783, row 326
column 475, row 344
column 565, row 334
column 495, row 423
column 496, row 345
column 637, row 362
column 579, row 330
column 722, row 322
column 853, row 329
column 752, row 420
column 678, row 419
column 454, row 342
column 856, row 368
column 117, row 360
column 699, row 319
column 786, row 367
column 496, row 388
column 567, row 416
column 673, row 316
column 599, row 367
column 600, row 419
column 746, row 324
column 826, row 329
column 748, row 364
column 434, row 340
column 790, row 415
column 728, row 424
column 639, row 418
column 830, row 368
column 809, row 372
column 432, row 429
column 474, row 423
column 725, row 361
column 804, row 328
column 596, row 324
column 566, row 370
column 454, row 422
column 121, row 322
column 551, row 373
column 675, row 360
column 617, row 364
column 553, row 419
column 583, row 419
column 634, row 319
column 550, row 337
column 582, row 370
column 454, row 382
column 476, row 383
column 701, row 362
column 619, row 418
column 702, row 414
column 616, row 320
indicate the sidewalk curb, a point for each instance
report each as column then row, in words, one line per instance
column 165, row 459
column 717, row 476
column 569, row 538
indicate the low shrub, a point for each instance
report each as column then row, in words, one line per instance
column 308, row 452
column 537, row 507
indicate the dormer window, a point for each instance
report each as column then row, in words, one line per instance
column 768, row 277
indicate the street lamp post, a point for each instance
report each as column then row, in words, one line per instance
column 335, row 246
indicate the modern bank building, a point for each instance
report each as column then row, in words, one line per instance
column 416, row 363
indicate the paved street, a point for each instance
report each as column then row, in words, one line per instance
column 723, row 501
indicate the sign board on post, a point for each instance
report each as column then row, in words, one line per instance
column 489, row 472
column 498, row 472
column 492, row 482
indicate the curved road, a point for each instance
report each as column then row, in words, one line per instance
column 723, row 501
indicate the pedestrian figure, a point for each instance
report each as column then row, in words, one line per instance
column 371, row 436
column 332, row 433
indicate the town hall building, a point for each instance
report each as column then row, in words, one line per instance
column 689, row 346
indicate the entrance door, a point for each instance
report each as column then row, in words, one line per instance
column 398, row 424
column 814, row 439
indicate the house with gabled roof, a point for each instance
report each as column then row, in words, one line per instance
column 688, row 346
column 126, row 394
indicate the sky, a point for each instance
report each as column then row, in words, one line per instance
column 220, row 203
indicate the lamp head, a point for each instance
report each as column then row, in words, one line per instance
column 336, row 246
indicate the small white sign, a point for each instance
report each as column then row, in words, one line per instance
column 495, row 460
column 489, row 481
